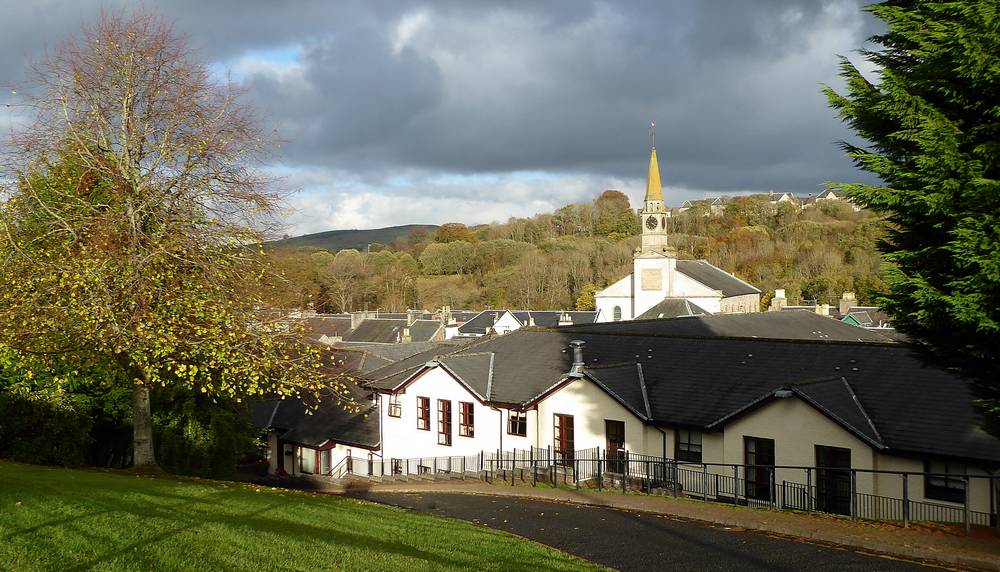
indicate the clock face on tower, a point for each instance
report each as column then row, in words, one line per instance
column 651, row 222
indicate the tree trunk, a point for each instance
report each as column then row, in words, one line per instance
column 142, row 427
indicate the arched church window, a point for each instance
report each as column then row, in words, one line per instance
column 616, row 314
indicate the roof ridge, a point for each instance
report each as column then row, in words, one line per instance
column 582, row 330
column 864, row 412
column 611, row 365
column 642, row 386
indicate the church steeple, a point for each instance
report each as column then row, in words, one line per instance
column 653, row 215
column 654, row 190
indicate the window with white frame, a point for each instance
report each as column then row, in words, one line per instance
column 395, row 407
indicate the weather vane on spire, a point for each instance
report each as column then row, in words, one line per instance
column 652, row 134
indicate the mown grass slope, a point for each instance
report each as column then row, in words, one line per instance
column 58, row 519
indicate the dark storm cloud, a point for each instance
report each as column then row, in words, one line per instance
column 387, row 88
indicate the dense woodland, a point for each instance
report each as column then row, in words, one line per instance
column 558, row 260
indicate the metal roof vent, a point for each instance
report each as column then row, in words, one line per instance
column 783, row 393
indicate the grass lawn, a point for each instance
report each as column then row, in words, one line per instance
column 59, row 519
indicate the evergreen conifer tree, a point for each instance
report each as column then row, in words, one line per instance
column 931, row 117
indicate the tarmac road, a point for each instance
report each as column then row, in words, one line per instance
column 627, row 540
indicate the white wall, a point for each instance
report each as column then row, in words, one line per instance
column 506, row 324
column 796, row 428
column 590, row 406
column 401, row 439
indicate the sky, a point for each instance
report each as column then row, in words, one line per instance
column 410, row 112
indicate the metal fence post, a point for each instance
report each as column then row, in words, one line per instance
column 906, row 500
column 704, row 482
column 809, row 486
column 677, row 477
column 965, row 507
column 770, row 488
column 600, row 477
column 534, row 470
column 854, row 493
column 624, row 463
column 995, row 508
column 736, row 485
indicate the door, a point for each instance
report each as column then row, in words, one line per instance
column 562, row 426
column 759, row 459
column 350, row 462
column 615, row 431
column 833, row 479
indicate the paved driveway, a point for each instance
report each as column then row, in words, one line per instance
column 627, row 540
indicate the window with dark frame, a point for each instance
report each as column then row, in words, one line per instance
column 444, row 422
column 395, row 407
column 688, row 445
column 948, row 484
column 466, row 419
column 517, row 424
column 424, row 413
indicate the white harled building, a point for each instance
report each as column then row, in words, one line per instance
column 660, row 285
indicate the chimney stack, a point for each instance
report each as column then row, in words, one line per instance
column 846, row 301
column 578, row 362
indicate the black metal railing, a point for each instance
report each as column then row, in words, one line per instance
column 780, row 487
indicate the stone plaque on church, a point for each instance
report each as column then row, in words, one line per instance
column 651, row 279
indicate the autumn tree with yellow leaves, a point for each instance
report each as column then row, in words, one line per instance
column 131, row 223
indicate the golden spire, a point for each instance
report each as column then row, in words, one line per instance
column 654, row 190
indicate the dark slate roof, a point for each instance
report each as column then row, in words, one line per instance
column 673, row 308
column 358, row 360
column 424, row 330
column 462, row 316
column 833, row 397
column 624, row 382
column 389, row 377
column 715, row 278
column 329, row 422
column 379, row 330
column 794, row 325
column 696, row 381
column 327, row 325
column 474, row 369
column 481, row 323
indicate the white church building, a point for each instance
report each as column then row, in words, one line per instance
column 660, row 285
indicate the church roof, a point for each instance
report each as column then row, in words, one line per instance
column 715, row 278
column 654, row 190
column 673, row 308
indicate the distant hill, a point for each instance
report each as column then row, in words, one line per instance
column 334, row 240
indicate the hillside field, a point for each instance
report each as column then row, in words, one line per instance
column 59, row 519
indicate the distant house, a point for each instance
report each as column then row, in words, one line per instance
column 505, row 321
column 780, row 198
column 714, row 206
column 829, row 195
column 867, row 317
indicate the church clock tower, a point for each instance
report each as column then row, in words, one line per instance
column 654, row 214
